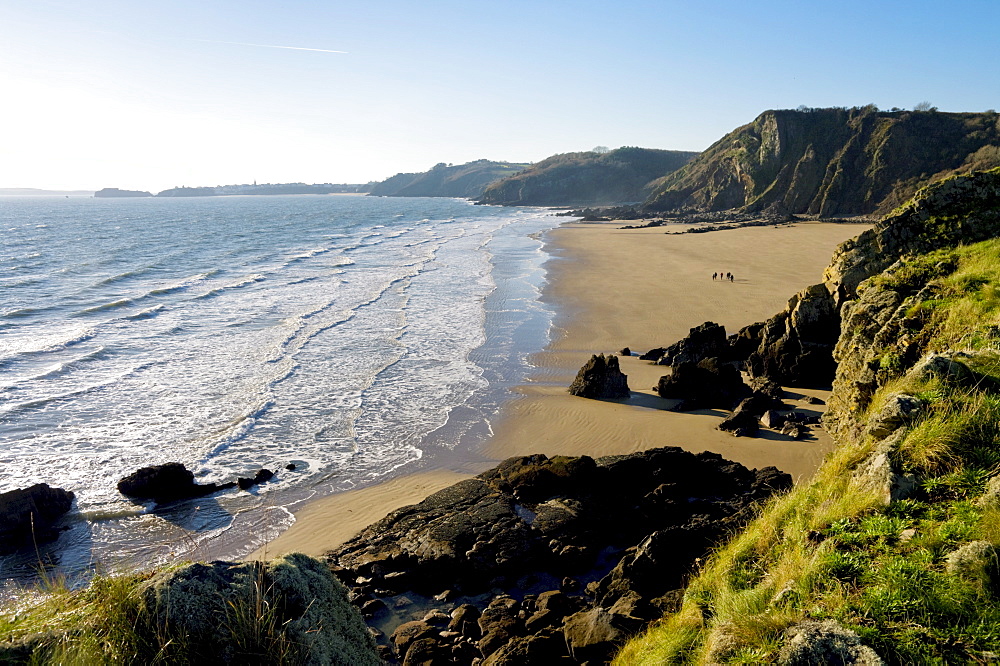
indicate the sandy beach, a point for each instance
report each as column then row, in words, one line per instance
column 640, row 288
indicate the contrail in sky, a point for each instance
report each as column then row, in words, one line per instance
column 268, row 46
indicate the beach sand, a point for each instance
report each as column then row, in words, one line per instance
column 640, row 288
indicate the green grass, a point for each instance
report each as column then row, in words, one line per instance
column 830, row 549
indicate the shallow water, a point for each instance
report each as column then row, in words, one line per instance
column 350, row 336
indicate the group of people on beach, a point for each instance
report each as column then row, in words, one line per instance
column 724, row 276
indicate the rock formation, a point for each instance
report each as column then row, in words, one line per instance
column 796, row 345
column 166, row 483
column 533, row 520
column 706, row 384
column 28, row 516
column 829, row 162
column 600, row 378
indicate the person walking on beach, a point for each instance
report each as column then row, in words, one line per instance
column 732, row 278
column 713, row 275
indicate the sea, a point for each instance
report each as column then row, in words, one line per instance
column 336, row 340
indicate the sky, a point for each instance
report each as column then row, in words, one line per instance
column 153, row 94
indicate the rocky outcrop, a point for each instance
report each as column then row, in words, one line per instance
column 166, row 483
column 796, row 346
column 601, row 378
column 962, row 209
column 535, row 519
column 829, row 162
column 28, row 516
column 220, row 610
column 705, row 341
column 706, row 384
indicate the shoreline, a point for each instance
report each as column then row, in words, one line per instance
column 613, row 288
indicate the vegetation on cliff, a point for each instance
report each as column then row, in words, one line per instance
column 889, row 554
column 287, row 611
column 444, row 180
column 830, row 162
column 571, row 179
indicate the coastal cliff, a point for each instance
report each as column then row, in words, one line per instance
column 830, row 162
column 465, row 181
column 589, row 178
column 888, row 555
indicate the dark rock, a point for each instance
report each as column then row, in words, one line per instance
column 28, row 516
column 260, row 477
column 372, row 607
column 745, row 341
column 408, row 632
column 290, row 467
column 705, row 341
column 797, row 344
column 600, row 378
column 569, row 584
column 765, row 386
column 625, row 351
column 165, row 483
column 593, row 635
column 741, row 424
column 653, row 355
column 710, row 383
column 465, row 620
column 544, row 648
column 425, row 651
column 536, row 478
column 772, row 419
column 796, row 430
column 446, row 595
column 813, row 400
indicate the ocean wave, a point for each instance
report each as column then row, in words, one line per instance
column 248, row 280
column 42, row 343
column 240, row 428
column 148, row 313
column 10, row 409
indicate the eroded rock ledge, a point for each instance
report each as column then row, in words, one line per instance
column 543, row 559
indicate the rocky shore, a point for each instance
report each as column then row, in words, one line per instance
column 545, row 560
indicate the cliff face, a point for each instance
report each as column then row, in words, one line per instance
column 830, row 162
column 572, row 179
column 463, row 180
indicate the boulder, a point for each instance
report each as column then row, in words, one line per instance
column 594, row 635
column 625, row 351
column 741, row 424
column 600, row 378
column 260, row 477
column 975, row 561
column 877, row 473
column 825, row 642
column 210, row 609
column 772, row 419
column 166, row 483
column 28, row 516
column 653, row 355
column 898, row 410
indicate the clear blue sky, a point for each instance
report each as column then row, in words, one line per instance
column 149, row 94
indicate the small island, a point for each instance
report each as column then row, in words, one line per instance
column 115, row 193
